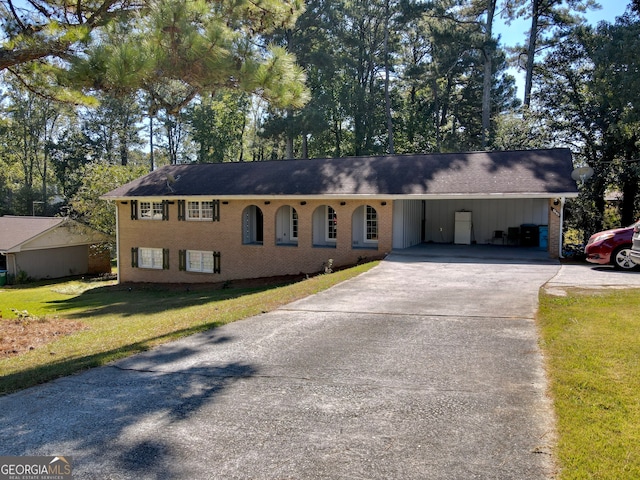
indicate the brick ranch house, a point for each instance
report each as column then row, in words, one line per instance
column 216, row 222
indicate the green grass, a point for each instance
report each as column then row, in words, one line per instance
column 122, row 322
column 591, row 343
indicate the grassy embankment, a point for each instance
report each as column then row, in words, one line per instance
column 119, row 322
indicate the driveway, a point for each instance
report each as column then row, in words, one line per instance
column 426, row 367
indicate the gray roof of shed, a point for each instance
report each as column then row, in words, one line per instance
column 510, row 173
column 15, row 231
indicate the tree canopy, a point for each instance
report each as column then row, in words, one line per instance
column 150, row 82
column 172, row 49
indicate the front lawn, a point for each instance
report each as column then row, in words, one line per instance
column 591, row 343
column 106, row 321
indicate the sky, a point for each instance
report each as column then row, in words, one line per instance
column 515, row 33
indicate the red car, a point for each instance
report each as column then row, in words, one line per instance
column 612, row 247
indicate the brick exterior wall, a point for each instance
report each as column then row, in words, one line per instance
column 239, row 260
column 99, row 260
column 554, row 230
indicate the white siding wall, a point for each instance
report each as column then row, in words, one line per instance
column 407, row 222
column 488, row 215
column 53, row 262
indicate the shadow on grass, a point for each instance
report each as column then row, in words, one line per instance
column 68, row 366
column 140, row 299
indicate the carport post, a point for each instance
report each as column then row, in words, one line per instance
column 562, row 201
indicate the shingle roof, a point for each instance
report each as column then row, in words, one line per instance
column 520, row 172
column 15, row 231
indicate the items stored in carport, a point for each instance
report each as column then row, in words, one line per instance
column 463, row 226
column 529, row 235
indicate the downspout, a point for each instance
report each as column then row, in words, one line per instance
column 562, row 202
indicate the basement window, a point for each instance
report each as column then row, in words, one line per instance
column 154, row 258
column 199, row 261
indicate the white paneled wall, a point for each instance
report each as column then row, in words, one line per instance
column 487, row 216
column 407, row 223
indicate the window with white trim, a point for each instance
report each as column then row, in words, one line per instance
column 198, row 261
column 294, row 224
column 151, row 210
column 150, row 258
column 371, row 224
column 200, row 210
column 332, row 224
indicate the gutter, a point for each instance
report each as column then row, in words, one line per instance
column 344, row 196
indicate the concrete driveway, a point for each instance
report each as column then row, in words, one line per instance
column 426, row 367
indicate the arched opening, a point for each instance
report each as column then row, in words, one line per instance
column 252, row 226
column 325, row 227
column 364, row 227
column 287, row 226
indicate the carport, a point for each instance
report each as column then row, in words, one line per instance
column 513, row 199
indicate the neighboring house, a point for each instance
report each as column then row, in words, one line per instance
column 50, row 247
column 218, row 222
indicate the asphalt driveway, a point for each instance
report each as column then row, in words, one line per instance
column 422, row 368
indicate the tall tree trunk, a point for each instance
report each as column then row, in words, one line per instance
column 151, row 159
column 44, row 183
column 387, row 97
column 305, row 146
column 289, row 147
column 338, row 138
column 487, row 52
column 436, row 114
column 124, row 150
column 288, row 131
column 531, row 52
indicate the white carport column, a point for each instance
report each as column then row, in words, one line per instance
column 561, row 236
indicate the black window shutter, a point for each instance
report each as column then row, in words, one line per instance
column 182, row 260
column 216, row 262
column 134, row 257
column 134, row 209
column 165, row 210
column 216, row 210
column 165, row 259
column 182, row 210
